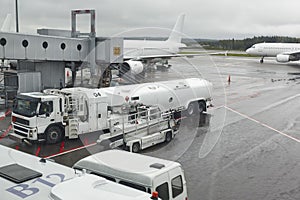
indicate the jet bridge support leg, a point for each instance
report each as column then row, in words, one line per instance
column 105, row 77
column 73, row 69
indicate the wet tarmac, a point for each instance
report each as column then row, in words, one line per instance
column 247, row 147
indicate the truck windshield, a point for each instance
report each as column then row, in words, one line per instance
column 25, row 107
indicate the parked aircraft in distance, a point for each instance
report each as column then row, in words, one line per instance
column 284, row 52
column 6, row 26
column 140, row 54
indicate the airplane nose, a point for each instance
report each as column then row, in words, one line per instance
column 248, row 51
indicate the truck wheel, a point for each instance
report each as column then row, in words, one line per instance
column 192, row 109
column 136, row 147
column 202, row 106
column 53, row 134
column 168, row 137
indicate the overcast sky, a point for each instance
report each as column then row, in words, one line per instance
column 208, row 19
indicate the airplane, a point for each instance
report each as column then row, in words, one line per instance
column 141, row 54
column 284, row 52
column 6, row 26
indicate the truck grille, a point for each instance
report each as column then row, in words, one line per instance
column 21, row 129
column 19, row 133
column 21, row 121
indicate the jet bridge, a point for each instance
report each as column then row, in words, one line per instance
column 17, row 46
column 50, row 52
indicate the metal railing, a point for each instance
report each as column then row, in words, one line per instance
column 143, row 118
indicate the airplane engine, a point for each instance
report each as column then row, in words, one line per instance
column 283, row 58
column 135, row 67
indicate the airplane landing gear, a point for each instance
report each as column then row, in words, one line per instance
column 262, row 60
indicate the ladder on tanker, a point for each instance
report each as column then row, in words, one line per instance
column 76, row 105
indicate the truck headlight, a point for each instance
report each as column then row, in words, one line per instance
column 31, row 133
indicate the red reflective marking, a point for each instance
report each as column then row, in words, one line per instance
column 62, row 146
column 85, row 142
column 6, row 132
column 70, row 150
column 13, row 119
column 17, row 147
column 37, row 152
column 7, row 112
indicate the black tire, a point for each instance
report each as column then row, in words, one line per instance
column 53, row 134
column 202, row 107
column 192, row 109
column 168, row 137
column 136, row 147
column 105, row 144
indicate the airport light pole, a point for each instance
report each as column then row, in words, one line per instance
column 17, row 17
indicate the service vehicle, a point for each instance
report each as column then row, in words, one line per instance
column 27, row 177
column 142, row 129
column 54, row 114
column 141, row 172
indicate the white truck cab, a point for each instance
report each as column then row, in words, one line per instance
column 26, row 177
column 142, row 172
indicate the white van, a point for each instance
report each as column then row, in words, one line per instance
column 26, row 177
column 141, row 172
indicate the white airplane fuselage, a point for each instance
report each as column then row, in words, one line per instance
column 141, row 54
column 156, row 49
column 135, row 48
column 272, row 49
column 284, row 52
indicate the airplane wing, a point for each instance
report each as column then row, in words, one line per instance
column 288, row 56
column 151, row 57
column 294, row 53
column 6, row 26
column 169, row 56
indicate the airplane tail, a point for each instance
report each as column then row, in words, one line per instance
column 6, row 26
column 176, row 33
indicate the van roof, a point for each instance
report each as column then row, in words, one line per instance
column 27, row 176
column 26, row 169
column 91, row 187
column 127, row 166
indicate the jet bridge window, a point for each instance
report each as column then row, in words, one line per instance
column 18, row 174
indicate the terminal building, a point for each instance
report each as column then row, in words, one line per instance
column 40, row 60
